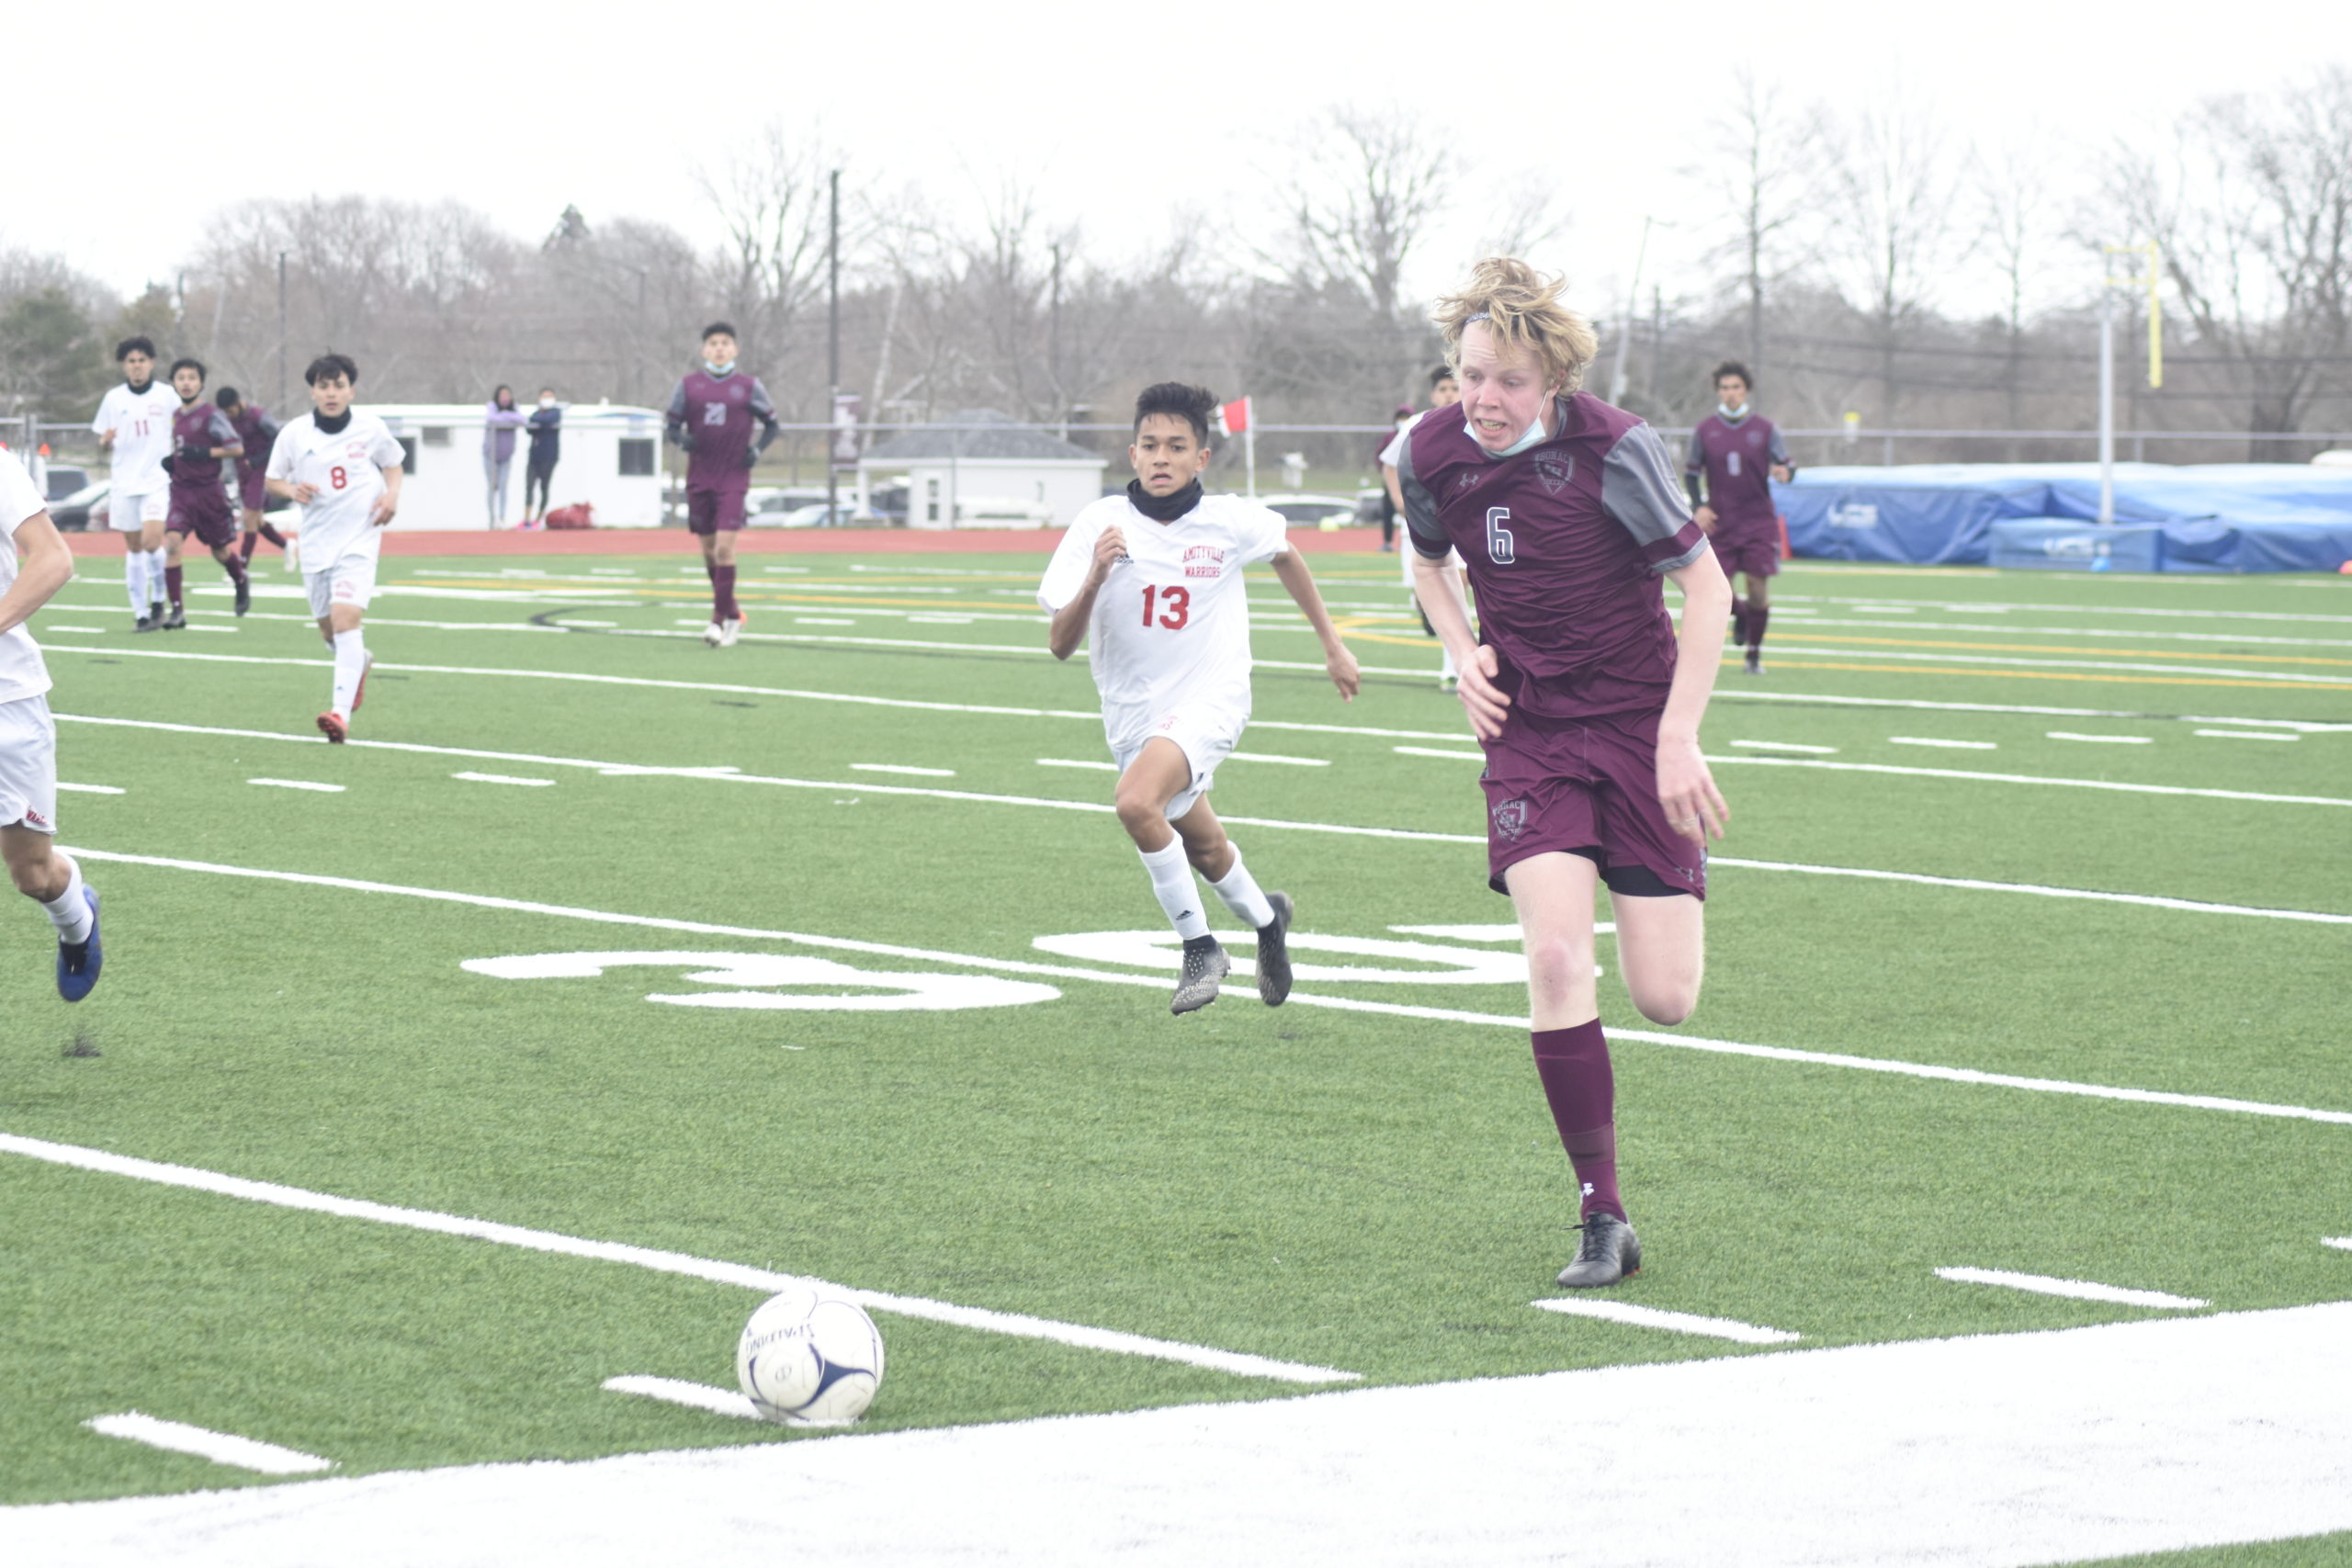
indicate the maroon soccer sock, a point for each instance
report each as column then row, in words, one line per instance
column 234, row 564
column 246, row 547
column 722, row 593
column 1756, row 621
column 272, row 535
column 1738, row 620
column 171, row 585
column 1577, row 1080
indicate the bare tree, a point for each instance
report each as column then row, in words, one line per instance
column 1899, row 181
column 771, row 199
column 2013, row 191
column 1765, row 172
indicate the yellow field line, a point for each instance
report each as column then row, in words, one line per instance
column 774, row 596
column 1801, row 631
column 2050, row 675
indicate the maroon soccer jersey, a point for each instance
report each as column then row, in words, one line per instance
column 716, row 414
column 1737, row 459
column 198, row 425
column 1564, row 545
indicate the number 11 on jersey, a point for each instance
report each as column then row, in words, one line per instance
column 1175, row 606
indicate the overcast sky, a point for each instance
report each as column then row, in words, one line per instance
column 1116, row 116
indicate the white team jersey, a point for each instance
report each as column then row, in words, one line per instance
column 142, row 422
column 22, row 672
column 1171, row 622
column 347, row 467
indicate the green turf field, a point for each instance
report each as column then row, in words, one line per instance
column 1365, row 1182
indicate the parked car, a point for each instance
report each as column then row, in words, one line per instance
column 769, row 507
column 74, row 514
column 65, row 480
column 1302, row 510
column 1001, row 512
column 846, row 514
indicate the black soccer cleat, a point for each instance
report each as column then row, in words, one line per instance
column 1739, row 624
column 1611, row 1252
column 147, row 624
column 176, row 621
column 245, row 594
column 1273, row 953
column 1204, row 965
column 1755, row 665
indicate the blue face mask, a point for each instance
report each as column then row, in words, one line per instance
column 1729, row 412
column 1534, row 434
column 719, row 369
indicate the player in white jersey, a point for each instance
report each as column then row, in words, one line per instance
column 134, row 427
column 1445, row 392
column 1152, row 581
column 342, row 467
column 34, row 564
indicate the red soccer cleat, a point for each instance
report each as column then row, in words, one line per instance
column 334, row 727
column 361, row 695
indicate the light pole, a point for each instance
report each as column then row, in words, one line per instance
column 2144, row 270
column 1633, row 304
column 834, row 352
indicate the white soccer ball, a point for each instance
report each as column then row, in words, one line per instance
column 809, row 1358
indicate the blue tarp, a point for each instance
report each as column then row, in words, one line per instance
column 2211, row 517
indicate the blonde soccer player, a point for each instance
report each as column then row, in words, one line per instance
column 134, row 429
column 1151, row 582
column 342, row 467
column 34, row 564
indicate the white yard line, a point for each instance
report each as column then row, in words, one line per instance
column 500, row 779
column 2073, row 1290
column 1288, row 762
column 88, row 789
column 1672, row 1322
column 1947, row 745
column 692, row 1395
column 1297, row 998
column 2246, row 734
column 1444, row 756
column 2102, row 739
column 2042, row 710
column 2122, row 634
column 2229, row 672
column 2004, row 608
column 1019, row 1324
column 1786, row 746
column 2343, row 1243
column 898, row 768
column 1984, row 1451
column 2036, row 778
column 618, row 769
column 301, row 784
column 220, row 1448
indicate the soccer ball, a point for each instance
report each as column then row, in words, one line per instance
column 810, row 1359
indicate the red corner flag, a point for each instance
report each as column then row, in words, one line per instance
column 1233, row 417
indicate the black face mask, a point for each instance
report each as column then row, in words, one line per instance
column 1163, row 508
column 331, row 426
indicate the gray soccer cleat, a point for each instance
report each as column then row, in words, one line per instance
column 1273, row 954
column 1204, row 965
column 1611, row 1252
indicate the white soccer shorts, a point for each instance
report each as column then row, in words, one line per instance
column 1205, row 734
column 129, row 513
column 27, row 765
column 347, row 580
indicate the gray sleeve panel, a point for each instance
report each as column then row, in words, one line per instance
column 224, row 433
column 1428, row 533
column 1694, row 460
column 677, row 413
column 1639, row 488
column 762, row 406
column 1779, row 448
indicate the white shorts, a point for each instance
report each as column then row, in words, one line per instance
column 1206, row 734
column 27, row 765
column 129, row 513
column 347, row 580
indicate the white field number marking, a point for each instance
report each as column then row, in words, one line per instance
column 1158, row 950
column 220, row 1448
column 873, row 990
column 298, row 783
column 2074, row 1290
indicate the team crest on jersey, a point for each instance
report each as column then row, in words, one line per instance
column 1510, row 817
column 1203, row 561
column 35, row 818
column 1554, row 469
column 355, row 449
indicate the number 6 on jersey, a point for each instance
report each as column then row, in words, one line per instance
column 1500, row 547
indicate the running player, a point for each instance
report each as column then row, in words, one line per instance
column 1445, row 392
column 711, row 418
column 34, row 564
column 1739, row 453
column 1567, row 513
column 341, row 466
column 258, row 431
column 1152, row 580
column 134, row 427
column 201, row 437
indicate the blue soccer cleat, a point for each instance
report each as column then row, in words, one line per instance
column 78, row 962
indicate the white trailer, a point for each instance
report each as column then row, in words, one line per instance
column 610, row 457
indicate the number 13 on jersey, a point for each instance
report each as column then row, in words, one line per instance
column 1175, row 606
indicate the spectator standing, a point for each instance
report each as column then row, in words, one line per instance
column 546, row 439
column 500, row 423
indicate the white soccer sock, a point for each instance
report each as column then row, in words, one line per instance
column 159, row 561
column 134, row 578
column 69, row 911
column 350, row 666
column 1172, row 883
column 1446, row 670
column 1239, row 891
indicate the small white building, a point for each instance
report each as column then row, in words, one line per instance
column 610, row 457
column 981, row 470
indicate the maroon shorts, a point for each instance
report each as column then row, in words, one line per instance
column 714, row 511
column 1749, row 545
column 1564, row 785
column 208, row 516
column 253, row 491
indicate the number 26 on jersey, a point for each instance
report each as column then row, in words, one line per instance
column 1174, row 607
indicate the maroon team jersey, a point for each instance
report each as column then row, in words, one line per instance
column 1565, row 544
column 1737, row 459
column 260, row 432
column 200, row 425
column 717, row 414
